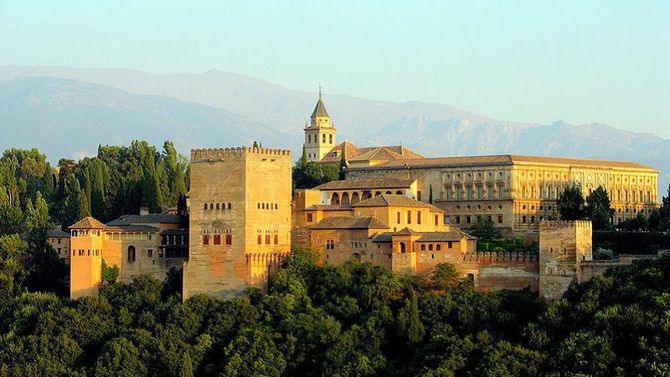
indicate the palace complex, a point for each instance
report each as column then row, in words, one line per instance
column 395, row 208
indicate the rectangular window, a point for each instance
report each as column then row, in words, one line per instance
column 398, row 218
column 259, row 239
column 450, row 244
column 150, row 253
column 458, row 219
column 500, row 219
column 418, row 217
column 418, row 195
column 276, row 239
column 309, row 218
column 468, row 219
column 229, row 239
column 409, row 217
column 59, row 241
column 437, row 220
column 205, row 240
column 267, row 239
column 217, row 239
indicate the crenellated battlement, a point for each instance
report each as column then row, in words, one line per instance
column 556, row 224
column 513, row 257
column 217, row 154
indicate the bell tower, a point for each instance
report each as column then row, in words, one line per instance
column 320, row 133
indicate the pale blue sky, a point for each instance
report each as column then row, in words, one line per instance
column 535, row 61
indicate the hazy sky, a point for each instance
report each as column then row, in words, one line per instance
column 536, row 61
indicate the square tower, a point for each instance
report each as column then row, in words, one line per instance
column 564, row 245
column 240, row 219
column 86, row 258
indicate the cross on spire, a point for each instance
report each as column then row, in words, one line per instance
column 320, row 90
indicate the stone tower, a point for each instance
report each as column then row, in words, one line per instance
column 564, row 246
column 240, row 219
column 86, row 258
column 320, row 134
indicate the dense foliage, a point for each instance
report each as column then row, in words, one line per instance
column 308, row 175
column 350, row 320
column 119, row 180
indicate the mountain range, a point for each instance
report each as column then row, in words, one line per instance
column 68, row 112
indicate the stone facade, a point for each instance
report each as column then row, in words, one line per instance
column 564, row 247
column 60, row 241
column 239, row 228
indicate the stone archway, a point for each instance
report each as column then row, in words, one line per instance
column 345, row 198
column 355, row 198
column 335, row 199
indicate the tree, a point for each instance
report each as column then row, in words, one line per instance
column 599, row 209
column 119, row 358
column 485, row 230
column 252, row 353
column 74, row 207
column 13, row 252
column 343, row 167
column 571, row 204
column 444, row 276
column 109, row 274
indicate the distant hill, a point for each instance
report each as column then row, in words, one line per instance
column 72, row 110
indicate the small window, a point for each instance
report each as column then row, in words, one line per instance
column 398, row 218
column 409, row 217
column 230, row 206
column 218, row 206
column 423, row 247
column 150, row 253
column 259, row 239
column 205, row 240
column 267, row 239
column 211, row 205
column 276, row 239
column 217, row 239
column 309, row 218
column 438, row 247
column 229, row 239
column 430, row 247
column 418, row 217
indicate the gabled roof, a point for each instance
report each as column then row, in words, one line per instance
column 153, row 218
column 367, row 183
column 386, row 200
column 329, row 207
column 342, row 222
column 88, row 223
column 405, row 232
column 320, row 109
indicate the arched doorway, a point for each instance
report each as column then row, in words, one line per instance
column 355, row 198
column 131, row 253
column 345, row 198
column 378, row 193
column 403, row 248
column 366, row 195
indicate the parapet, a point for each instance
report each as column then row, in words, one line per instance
column 557, row 224
column 218, row 154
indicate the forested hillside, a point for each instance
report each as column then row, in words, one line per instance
column 352, row 320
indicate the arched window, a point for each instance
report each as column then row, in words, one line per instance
column 205, row 206
column 345, row 198
column 398, row 192
column 131, row 253
column 355, row 198
column 430, row 247
column 230, row 206
column 218, row 206
column 438, row 247
column 398, row 219
column 331, row 139
column 423, row 247
column 409, row 217
column 403, row 248
column 323, row 138
column 418, row 217
column 211, row 205
column 309, row 138
column 335, row 199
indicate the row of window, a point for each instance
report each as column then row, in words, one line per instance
column 469, row 194
column 85, row 232
column 468, row 219
column 89, row 252
column 217, row 206
column 267, row 206
column 215, row 239
column 418, row 218
column 268, row 238
column 129, row 236
column 337, row 199
column 323, row 138
column 437, row 246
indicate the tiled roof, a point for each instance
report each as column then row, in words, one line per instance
column 131, row 229
column 497, row 160
column 57, row 233
column 385, row 200
column 383, row 237
column 343, row 222
column 354, row 153
column 367, row 183
column 88, row 223
column 405, row 232
column 154, row 218
column 444, row 236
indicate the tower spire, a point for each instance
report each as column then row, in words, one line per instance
column 319, row 90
